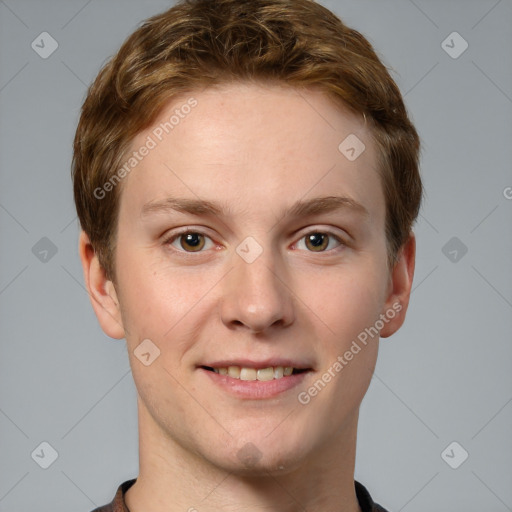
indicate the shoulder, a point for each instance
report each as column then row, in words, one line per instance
column 117, row 504
column 365, row 500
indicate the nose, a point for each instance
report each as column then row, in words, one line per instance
column 256, row 296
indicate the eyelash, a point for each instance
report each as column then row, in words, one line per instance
column 176, row 236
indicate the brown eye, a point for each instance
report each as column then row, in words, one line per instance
column 317, row 242
column 192, row 242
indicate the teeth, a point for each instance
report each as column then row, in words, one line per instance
column 278, row 372
column 265, row 374
column 262, row 374
column 234, row 371
column 248, row 374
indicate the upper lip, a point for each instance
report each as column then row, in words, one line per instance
column 263, row 363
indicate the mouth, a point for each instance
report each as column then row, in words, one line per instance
column 247, row 373
column 255, row 382
column 250, row 379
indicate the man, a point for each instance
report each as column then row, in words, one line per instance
column 246, row 179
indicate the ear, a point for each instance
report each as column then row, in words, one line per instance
column 399, row 288
column 101, row 290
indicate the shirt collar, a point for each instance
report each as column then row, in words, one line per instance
column 118, row 504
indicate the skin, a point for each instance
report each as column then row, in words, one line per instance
column 254, row 150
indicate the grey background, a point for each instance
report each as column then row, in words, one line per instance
column 445, row 376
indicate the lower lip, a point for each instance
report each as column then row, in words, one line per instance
column 255, row 389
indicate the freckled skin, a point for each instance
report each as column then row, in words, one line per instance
column 255, row 150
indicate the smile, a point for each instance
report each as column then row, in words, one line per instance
column 260, row 374
column 254, row 382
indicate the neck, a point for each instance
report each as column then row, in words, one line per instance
column 173, row 478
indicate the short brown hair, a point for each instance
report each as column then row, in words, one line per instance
column 198, row 43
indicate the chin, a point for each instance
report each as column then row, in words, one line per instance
column 260, row 457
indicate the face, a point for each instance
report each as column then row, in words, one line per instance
column 249, row 244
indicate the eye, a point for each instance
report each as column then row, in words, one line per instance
column 319, row 241
column 190, row 241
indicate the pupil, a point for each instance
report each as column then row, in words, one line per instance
column 192, row 242
column 316, row 239
column 192, row 239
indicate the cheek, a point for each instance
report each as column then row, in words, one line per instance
column 347, row 300
column 157, row 299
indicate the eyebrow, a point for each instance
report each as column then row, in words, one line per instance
column 301, row 208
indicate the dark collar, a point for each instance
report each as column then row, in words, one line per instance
column 118, row 505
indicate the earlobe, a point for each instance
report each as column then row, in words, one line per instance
column 400, row 285
column 101, row 290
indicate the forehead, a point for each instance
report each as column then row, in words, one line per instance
column 254, row 147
